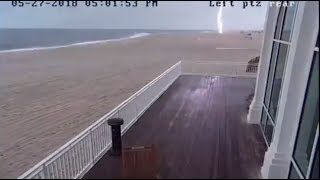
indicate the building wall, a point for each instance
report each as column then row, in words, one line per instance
column 284, row 75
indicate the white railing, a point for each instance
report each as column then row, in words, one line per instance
column 77, row 156
column 216, row 68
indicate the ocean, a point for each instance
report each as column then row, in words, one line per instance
column 30, row 39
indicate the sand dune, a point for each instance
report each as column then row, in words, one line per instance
column 49, row 96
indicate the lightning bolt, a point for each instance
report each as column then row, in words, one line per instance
column 219, row 20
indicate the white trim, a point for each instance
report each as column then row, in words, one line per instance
column 264, row 137
column 275, row 165
column 296, row 167
column 282, row 42
column 215, row 62
column 268, row 115
column 221, row 75
column 316, row 49
column 222, row 48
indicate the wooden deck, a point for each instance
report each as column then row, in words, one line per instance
column 199, row 130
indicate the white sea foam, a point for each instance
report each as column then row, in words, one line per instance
column 138, row 35
column 207, row 32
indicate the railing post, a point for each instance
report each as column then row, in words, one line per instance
column 136, row 109
column 91, row 146
column 45, row 171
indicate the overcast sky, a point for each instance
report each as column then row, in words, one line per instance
column 168, row 15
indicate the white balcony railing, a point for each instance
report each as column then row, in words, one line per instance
column 216, row 68
column 77, row 156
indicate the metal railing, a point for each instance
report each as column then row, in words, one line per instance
column 77, row 156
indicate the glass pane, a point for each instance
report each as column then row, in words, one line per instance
column 263, row 119
column 309, row 119
column 315, row 168
column 293, row 174
column 270, row 73
column 269, row 131
column 277, row 80
column 279, row 22
column 288, row 22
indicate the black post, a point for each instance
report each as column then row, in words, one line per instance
column 115, row 124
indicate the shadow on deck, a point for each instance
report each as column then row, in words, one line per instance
column 199, row 129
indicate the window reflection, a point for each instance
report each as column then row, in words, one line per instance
column 277, row 81
column 309, row 120
column 288, row 22
column 263, row 119
column 269, row 131
column 270, row 74
column 279, row 22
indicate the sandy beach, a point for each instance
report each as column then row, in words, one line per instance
column 49, row 96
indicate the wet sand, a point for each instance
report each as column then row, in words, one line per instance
column 49, row 96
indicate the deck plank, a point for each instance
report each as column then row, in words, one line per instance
column 199, row 129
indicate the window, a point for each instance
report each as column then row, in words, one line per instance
column 279, row 22
column 269, row 131
column 304, row 149
column 280, row 50
column 264, row 120
column 277, row 80
column 271, row 71
column 288, row 23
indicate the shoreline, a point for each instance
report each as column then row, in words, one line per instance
column 84, row 43
column 105, row 41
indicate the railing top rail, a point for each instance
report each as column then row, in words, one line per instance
column 71, row 142
column 216, row 62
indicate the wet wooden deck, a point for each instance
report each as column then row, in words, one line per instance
column 199, row 130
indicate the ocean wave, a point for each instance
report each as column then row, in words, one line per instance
column 207, row 32
column 137, row 35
